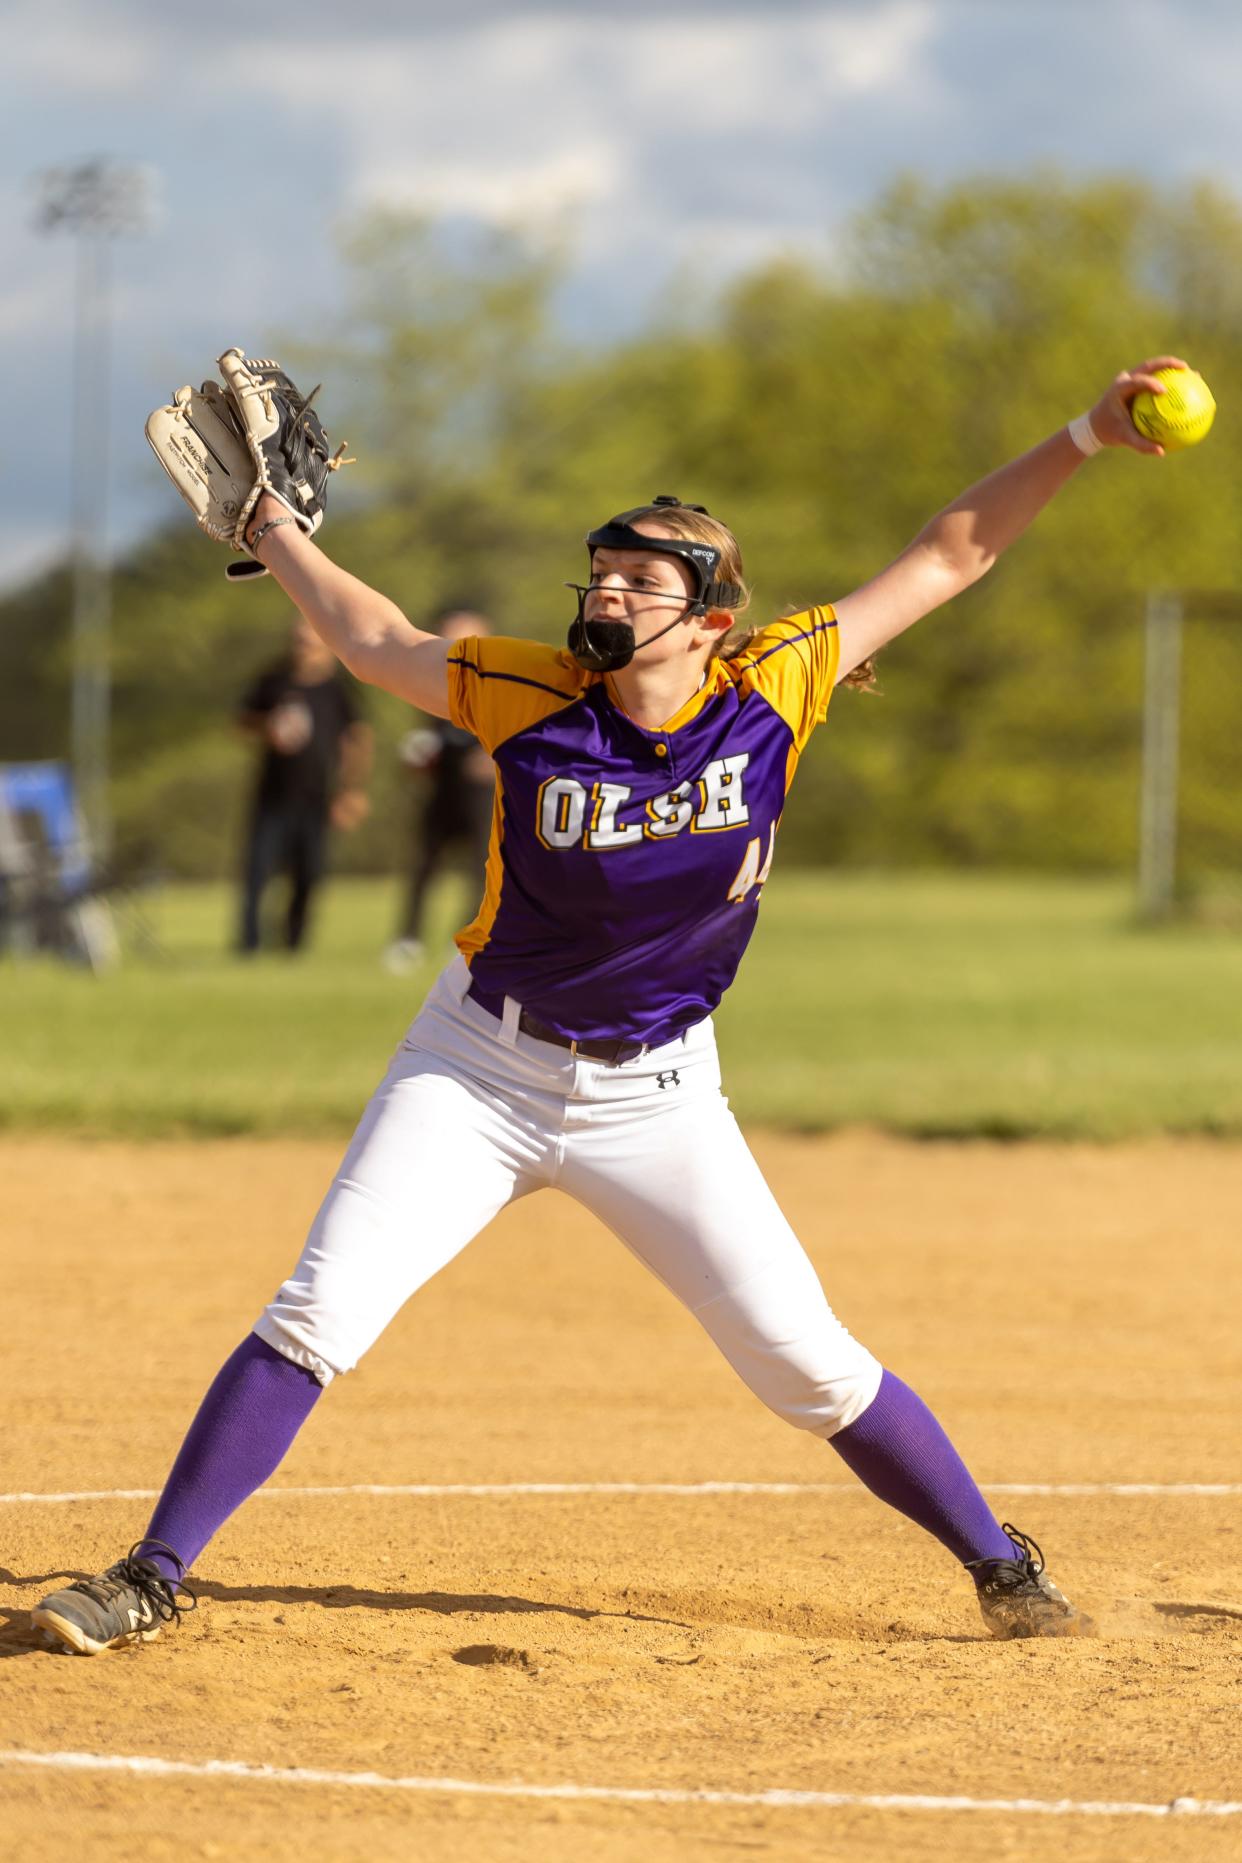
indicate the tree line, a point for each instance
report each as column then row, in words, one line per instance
column 825, row 413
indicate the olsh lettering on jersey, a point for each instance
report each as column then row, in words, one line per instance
column 638, row 944
column 572, row 815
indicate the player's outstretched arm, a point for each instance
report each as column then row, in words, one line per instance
column 367, row 633
column 962, row 542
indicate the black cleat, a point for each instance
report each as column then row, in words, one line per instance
column 129, row 1603
column 1018, row 1599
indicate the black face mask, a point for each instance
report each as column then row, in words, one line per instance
column 607, row 646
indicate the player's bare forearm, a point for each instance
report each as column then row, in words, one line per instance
column 958, row 546
column 367, row 632
column 962, row 542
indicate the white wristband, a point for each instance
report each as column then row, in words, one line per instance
column 1084, row 436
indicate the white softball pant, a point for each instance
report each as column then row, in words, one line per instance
column 472, row 1115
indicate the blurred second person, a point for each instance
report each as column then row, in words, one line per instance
column 315, row 759
column 455, row 813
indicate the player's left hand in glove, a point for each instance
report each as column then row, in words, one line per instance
column 224, row 447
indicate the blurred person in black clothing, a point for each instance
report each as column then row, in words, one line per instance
column 316, row 757
column 457, row 810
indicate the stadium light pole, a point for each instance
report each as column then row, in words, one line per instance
column 96, row 201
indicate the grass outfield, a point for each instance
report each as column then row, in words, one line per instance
column 928, row 1005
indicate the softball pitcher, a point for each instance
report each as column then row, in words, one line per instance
column 641, row 778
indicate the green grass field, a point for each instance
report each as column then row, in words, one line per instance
column 934, row 1005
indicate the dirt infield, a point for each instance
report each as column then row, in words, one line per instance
column 1070, row 1313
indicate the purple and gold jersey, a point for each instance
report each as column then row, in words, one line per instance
column 626, row 865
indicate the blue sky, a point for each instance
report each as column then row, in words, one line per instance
column 654, row 133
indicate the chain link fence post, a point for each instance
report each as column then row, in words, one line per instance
column 1162, row 697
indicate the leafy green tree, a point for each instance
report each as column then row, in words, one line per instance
column 826, row 414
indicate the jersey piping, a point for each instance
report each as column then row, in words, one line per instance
column 514, row 679
column 589, row 916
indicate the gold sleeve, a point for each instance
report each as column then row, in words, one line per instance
column 498, row 687
column 793, row 665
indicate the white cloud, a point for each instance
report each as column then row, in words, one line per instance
column 688, row 142
column 27, row 553
column 876, row 50
column 33, row 304
column 540, row 113
column 643, row 138
column 523, row 192
column 57, row 46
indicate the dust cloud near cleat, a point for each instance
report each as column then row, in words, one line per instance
column 1018, row 1599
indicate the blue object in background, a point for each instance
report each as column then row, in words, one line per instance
column 46, row 790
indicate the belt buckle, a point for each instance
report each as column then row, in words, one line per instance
column 620, row 1058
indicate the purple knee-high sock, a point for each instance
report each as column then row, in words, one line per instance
column 899, row 1451
column 254, row 1409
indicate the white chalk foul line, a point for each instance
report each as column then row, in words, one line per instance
column 693, row 1490
column 779, row 1800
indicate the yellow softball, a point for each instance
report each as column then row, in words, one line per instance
column 1181, row 416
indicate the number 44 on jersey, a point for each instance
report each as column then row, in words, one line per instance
column 750, row 874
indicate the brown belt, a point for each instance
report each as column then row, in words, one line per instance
column 612, row 1053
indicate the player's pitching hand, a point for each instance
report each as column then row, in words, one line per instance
column 1110, row 417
